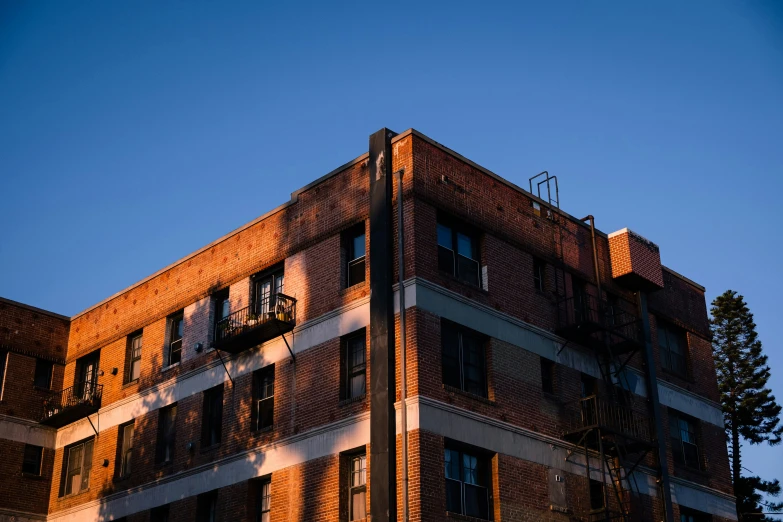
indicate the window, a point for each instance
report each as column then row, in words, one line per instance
column 43, row 374
column 167, row 421
column 133, row 365
column 86, row 377
column 176, row 326
column 467, row 483
column 31, row 463
column 212, row 417
column 458, row 253
column 77, row 463
column 588, row 385
column 547, row 375
column 597, row 495
column 126, row 450
column 539, row 270
column 673, row 345
column 684, row 440
column 354, row 354
column 160, row 514
column 266, row 288
column 264, row 395
column 263, row 500
column 354, row 245
column 357, row 500
column 206, row 507
column 691, row 515
column 222, row 305
column 463, row 359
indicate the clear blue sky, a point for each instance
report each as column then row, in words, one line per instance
column 132, row 133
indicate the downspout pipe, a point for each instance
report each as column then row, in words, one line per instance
column 591, row 219
column 403, row 369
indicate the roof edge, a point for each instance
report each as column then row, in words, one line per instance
column 34, row 309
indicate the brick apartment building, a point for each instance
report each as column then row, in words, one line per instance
column 553, row 372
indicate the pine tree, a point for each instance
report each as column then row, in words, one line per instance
column 749, row 408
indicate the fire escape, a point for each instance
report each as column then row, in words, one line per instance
column 263, row 320
column 609, row 428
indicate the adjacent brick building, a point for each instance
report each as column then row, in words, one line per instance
column 553, row 372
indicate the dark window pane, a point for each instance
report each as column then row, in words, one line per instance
column 468, row 270
column 453, row 496
column 465, row 246
column 43, row 374
column 444, row 237
column 357, row 247
column 547, row 376
column 452, row 373
column 32, row 459
column 356, row 272
column 445, row 260
column 596, row 494
column 476, row 502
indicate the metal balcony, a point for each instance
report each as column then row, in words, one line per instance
column 608, row 418
column 71, row 404
column 260, row 322
column 587, row 321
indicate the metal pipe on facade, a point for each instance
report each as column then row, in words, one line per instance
column 595, row 255
column 403, row 372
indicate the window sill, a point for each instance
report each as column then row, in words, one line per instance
column 120, row 479
column 42, row 389
column 686, row 378
column 688, row 469
column 170, row 367
column 462, row 282
column 72, row 495
column 346, row 402
column 209, row 449
column 452, row 389
column 32, row 476
column 457, row 516
column 164, row 465
column 130, row 383
column 262, row 431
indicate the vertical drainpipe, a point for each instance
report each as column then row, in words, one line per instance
column 383, row 428
column 403, row 369
column 655, row 405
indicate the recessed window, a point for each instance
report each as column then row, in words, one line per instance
column 126, row 449
column 588, row 385
column 133, row 358
column 358, row 488
column 539, row 271
column 167, row 422
column 206, row 507
column 160, row 514
column 267, row 286
column 176, row 330
column 354, row 245
column 673, row 345
column 547, row 375
column 597, row 495
column 222, row 305
column 467, row 483
column 212, row 417
column 31, row 463
column 43, row 374
column 77, row 464
column 458, row 252
column 264, row 398
column 354, row 365
column 464, row 365
column 684, row 440
column 263, row 500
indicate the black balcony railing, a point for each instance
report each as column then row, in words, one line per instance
column 583, row 318
column 263, row 320
column 595, row 412
column 71, row 404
